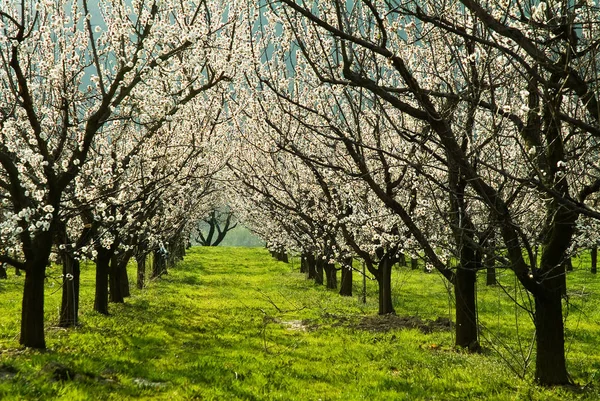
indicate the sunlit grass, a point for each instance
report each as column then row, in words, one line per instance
column 232, row 323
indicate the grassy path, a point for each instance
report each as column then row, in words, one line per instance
column 231, row 323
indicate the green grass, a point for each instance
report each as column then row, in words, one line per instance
column 232, row 323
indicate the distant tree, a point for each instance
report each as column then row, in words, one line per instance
column 219, row 223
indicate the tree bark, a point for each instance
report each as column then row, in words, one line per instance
column 550, row 362
column 102, row 268
column 303, row 264
column 141, row 270
column 114, row 279
column 465, row 298
column 69, row 311
column 159, row 264
column 402, row 260
column 32, row 313
column 319, row 265
column 330, row 275
column 550, row 367
column 311, row 265
column 123, row 277
column 490, row 270
column 3, row 274
column 346, row 280
column 594, row 256
column 384, row 279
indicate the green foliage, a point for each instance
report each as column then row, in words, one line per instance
column 232, row 323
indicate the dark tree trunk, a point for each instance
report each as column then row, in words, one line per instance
column 3, row 274
column 159, row 264
column 414, row 263
column 141, row 270
column 569, row 264
column 171, row 258
column 124, row 280
column 311, row 264
column 32, row 313
column 319, row 265
column 550, row 361
column 283, row 256
column 402, row 260
column 384, row 279
column 155, row 265
column 114, row 279
column 489, row 262
column 102, row 268
column 346, row 280
column 465, row 298
column 303, row 264
column 123, row 277
column 550, row 366
column 69, row 311
column 490, row 270
column 330, row 275
column 594, row 256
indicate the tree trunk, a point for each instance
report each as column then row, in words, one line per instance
column 550, row 366
column 141, row 270
column 330, row 275
column 402, row 260
column 32, row 313
column 346, row 281
column 124, row 281
column 69, row 310
column 303, row 264
column 102, row 267
column 159, row 264
column 594, row 256
column 384, row 279
column 311, row 264
column 319, row 265
column 123, row 277
column 569, row 264
column 490, row 271
column 114, row 279
column 3, row 274
column 465, row 298
column 414, row 263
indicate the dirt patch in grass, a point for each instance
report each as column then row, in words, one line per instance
column 7, row 372
column 376, row 324
column 392, row 322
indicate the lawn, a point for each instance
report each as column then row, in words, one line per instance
column 232, row 323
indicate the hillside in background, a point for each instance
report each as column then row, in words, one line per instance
column 241, row 236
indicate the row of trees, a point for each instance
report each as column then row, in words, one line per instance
column 461, row 132
column 464, row 132
column 107, row 110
